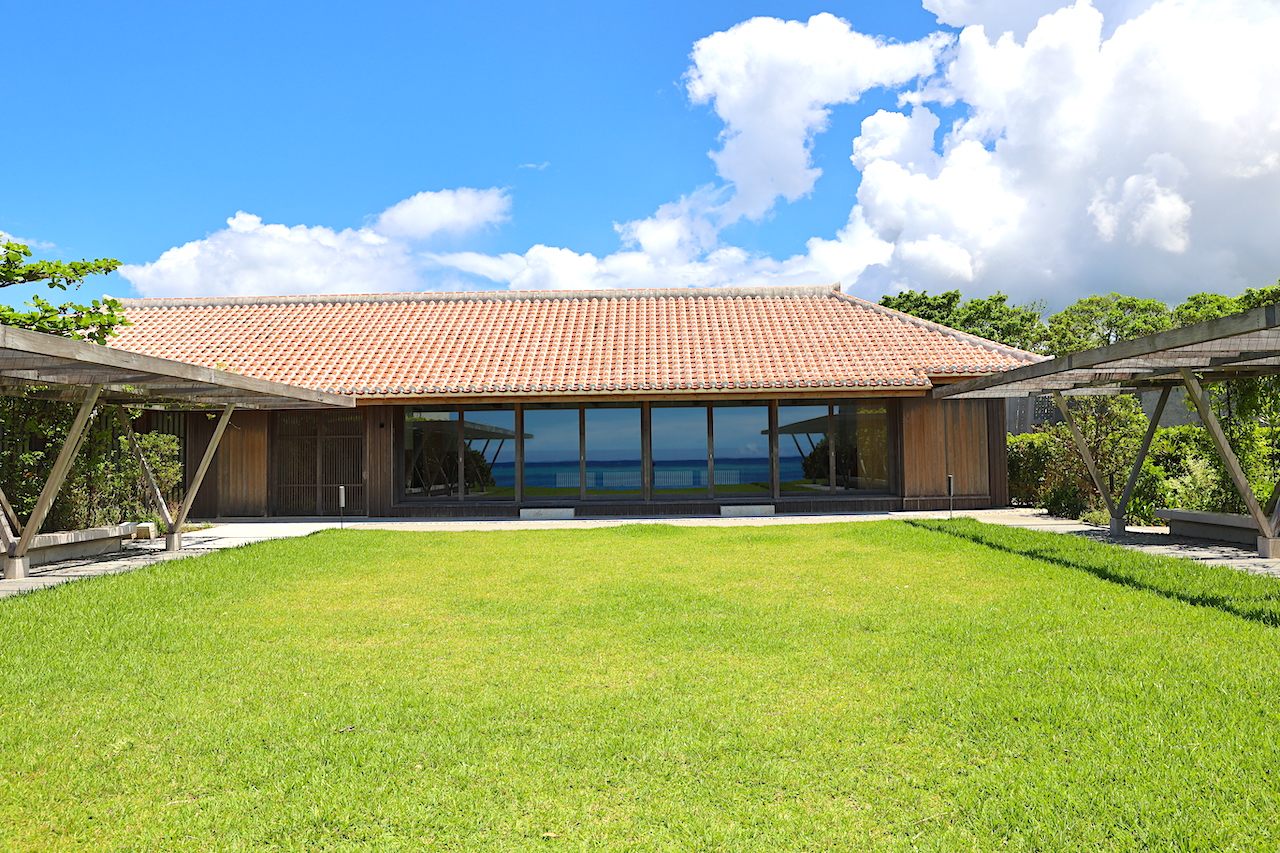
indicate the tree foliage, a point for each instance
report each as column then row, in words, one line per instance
column 1183, row 468
column 990, row 317
column 95, row 321
column 1097, row 321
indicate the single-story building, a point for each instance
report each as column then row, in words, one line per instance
column 608, row 402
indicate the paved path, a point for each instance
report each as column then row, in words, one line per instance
column 232, row 534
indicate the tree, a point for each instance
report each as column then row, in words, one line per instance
column 990, row 317
column 96, row 321
column 1097, row 321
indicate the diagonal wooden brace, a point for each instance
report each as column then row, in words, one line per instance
column 153, row 488
column 58, row 475
column 173, row 540
column 1227, row 455
column 1087, row 456
column 1117, row 520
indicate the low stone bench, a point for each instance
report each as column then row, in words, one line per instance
column 72, row 544
column 1216, row 526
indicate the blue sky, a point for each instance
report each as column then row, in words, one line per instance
column 145, row 126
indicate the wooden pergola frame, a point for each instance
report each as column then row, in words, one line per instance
column 33, row 364
column 1239, row 346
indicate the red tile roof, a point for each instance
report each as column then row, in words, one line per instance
column 571, row 342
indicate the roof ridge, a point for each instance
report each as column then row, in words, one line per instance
column 967, row 337
column 777, row 290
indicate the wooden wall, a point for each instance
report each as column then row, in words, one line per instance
column 950, row 437
column 241, row 466
column 380, row 462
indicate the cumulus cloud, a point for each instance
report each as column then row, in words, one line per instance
column 251, row 257
column 1019, row 17
column 773, row 84
column 459, row 211
column 1144, row 161
column 1047, row 149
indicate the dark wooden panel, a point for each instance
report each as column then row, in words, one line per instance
column 998, row 452
column 199, row 429
column 312, row 454
column 241, row 465
column 379, row 448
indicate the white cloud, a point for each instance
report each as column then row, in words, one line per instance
column 1135, row 148
column 1019, row 17
column 459, row 211
column 1145, row 161
column 250, row 257
column 773, row 82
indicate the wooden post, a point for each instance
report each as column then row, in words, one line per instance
column 775, row 476
column 462, row 455
column 173, row 541
column 646, row 452
column 1117, row 521
column 1084, row 453
column 11, row 517
column 153, row 488
column 519, row 412
column 1226, row 453
column 582, row 453
column 711, row 451
column 58, row 474
column 831, row 448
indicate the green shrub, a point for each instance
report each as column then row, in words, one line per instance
column 1029, row 455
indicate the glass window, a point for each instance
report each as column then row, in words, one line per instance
column 490, row 457
column 550, row 453
column 430, row 453
column 804, row 463
column 861, row 434
column 678, row 437
column 741, row 451
column 613, row 453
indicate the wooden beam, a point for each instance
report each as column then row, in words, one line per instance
column 1129, row 486
column 1150, row 347
column 58, row 474
column 189, row 498
column 1227, row 455
column 91, row 358
column 153, row 488
column 1085, row 454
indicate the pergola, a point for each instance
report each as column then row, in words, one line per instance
column 33, row 364
column 1235, row 347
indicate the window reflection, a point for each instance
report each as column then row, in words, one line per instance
column 613, row 453
column 804, row 455
column 430, row 453
column 678, row 437
column 741, row 450
column 861, row 434
column 490, row 457
column 551, row 453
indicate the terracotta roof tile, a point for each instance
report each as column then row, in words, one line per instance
column 521, row 344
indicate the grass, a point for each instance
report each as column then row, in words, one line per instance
column 938, row 685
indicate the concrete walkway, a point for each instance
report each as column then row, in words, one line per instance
column 232, row 534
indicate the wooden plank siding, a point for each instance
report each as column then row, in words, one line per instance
column 998, row 452
column 199, row 430
column 379, row 449
column 241, row 465
column 940, row 438
column 924, row 455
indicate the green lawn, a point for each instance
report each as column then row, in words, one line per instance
column 941, row 685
